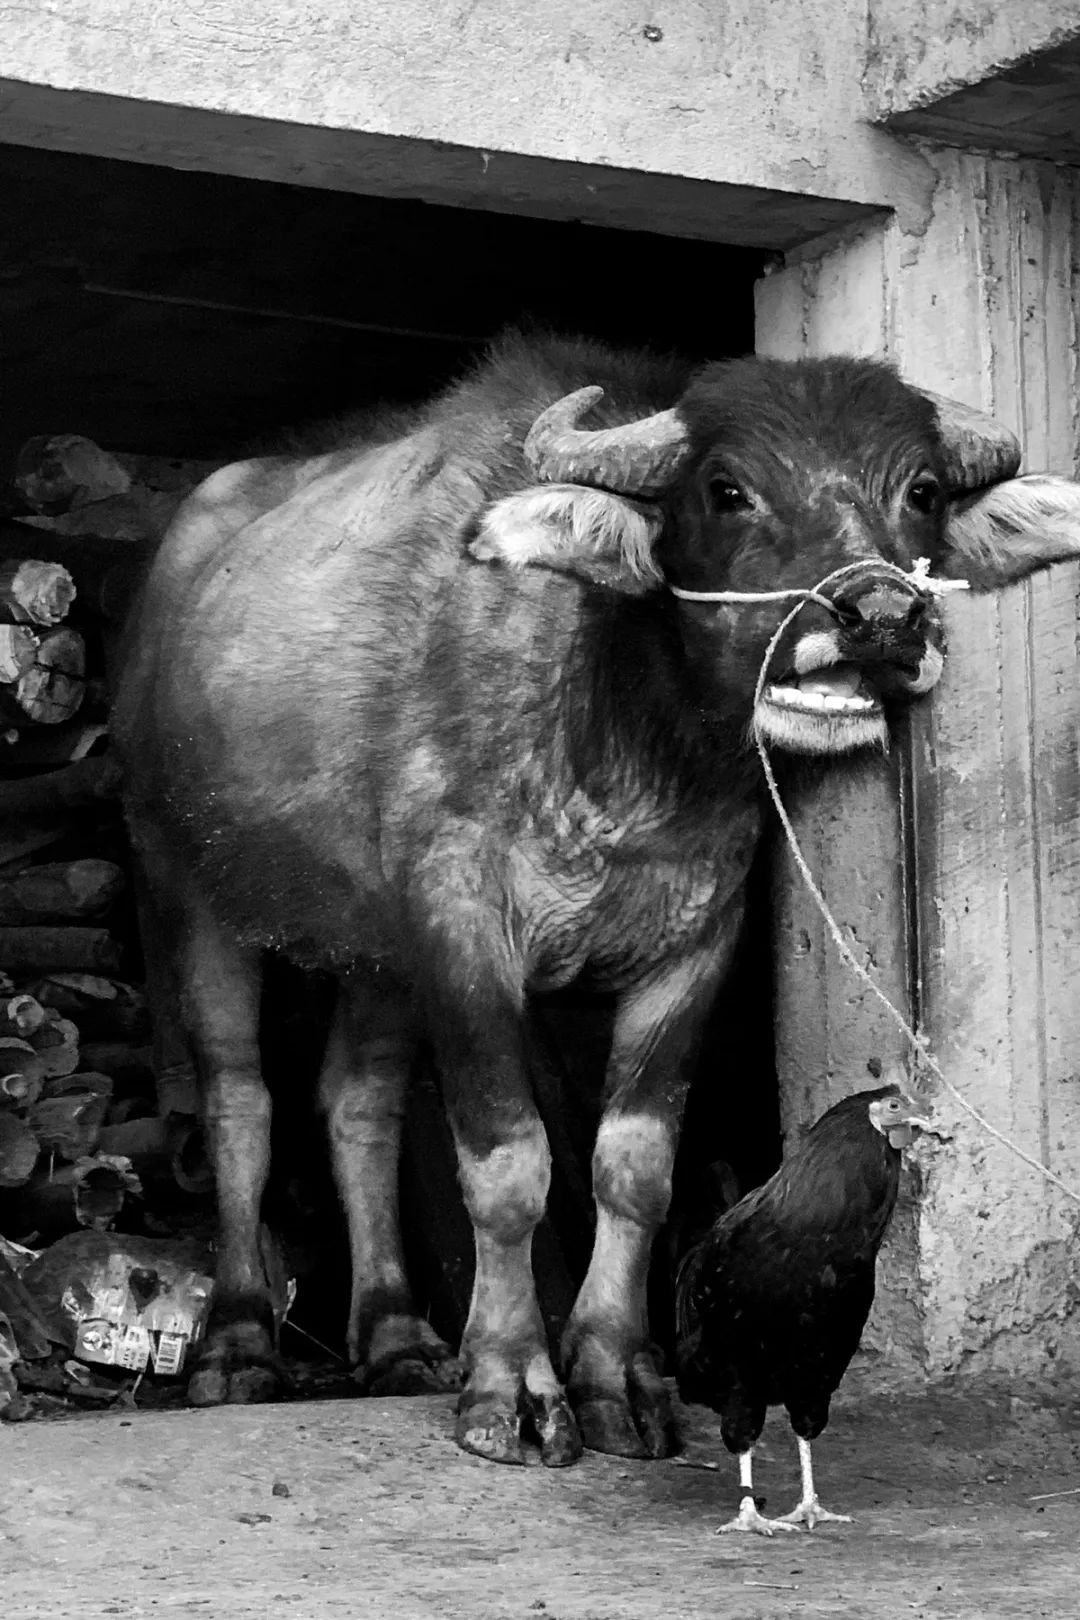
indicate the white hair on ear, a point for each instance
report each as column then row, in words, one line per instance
column 1009, row 529
column 591, row 532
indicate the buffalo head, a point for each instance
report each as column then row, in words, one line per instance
column 768, row 476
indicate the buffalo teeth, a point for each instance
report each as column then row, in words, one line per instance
column 793, row 697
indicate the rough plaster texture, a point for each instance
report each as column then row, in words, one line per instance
column 921, row 50
column 958, row 872
column 996, row 825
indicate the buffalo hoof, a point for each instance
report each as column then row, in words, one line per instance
column 217, row 1384
column 414, row 1372
column 613, row 1426
column 488, row 1430
column 628, row 1415
column 405, row 1356
column 489, row 1425
column 557, row 1432
column 238, row 1364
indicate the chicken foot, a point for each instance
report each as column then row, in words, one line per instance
column 748, row 1517
column 809, row 1510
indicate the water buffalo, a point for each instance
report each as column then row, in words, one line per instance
column 423, row 709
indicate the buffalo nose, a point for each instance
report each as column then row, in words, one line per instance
column 880, row 602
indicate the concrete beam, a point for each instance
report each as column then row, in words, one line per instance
column 919, row 51
column 372, row 164
column 1032, row 109
column 743, row 123
column 758, row 98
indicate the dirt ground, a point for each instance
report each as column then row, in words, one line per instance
column 366, row 1508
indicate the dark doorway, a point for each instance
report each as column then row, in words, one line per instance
column 170, row 313
column 183, row 314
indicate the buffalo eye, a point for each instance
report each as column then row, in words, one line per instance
column 925, row 495
column 726, row 496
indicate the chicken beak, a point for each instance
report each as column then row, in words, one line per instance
column 900, row 1136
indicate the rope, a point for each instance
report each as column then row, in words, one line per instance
column 751, row 596
column 918, row 577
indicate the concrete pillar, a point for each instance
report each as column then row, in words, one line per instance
column 953, row 866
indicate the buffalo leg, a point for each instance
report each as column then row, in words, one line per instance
column 504, row 1164
column 221, row 986
column 615, row 1387
column 510, row 1381
column 363, row 1090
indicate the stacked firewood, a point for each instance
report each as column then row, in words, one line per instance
column 78, row 527
column 80, row 1126
column 58, row 1118
column 81, row 1122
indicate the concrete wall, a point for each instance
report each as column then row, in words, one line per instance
column 954, row 867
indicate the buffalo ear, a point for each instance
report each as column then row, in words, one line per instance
column 1008, row 530
column 603, row 538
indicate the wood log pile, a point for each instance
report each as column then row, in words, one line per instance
column 86, row 1142
column 78, row 527
column 79, row 1120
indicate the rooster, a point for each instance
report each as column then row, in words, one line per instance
column 771, row 1302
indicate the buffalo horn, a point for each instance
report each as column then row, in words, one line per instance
column 978, row 449
column 636, row 458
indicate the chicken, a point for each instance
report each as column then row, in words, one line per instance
column 771, row 1302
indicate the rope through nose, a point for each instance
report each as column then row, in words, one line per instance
column 918, row 581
